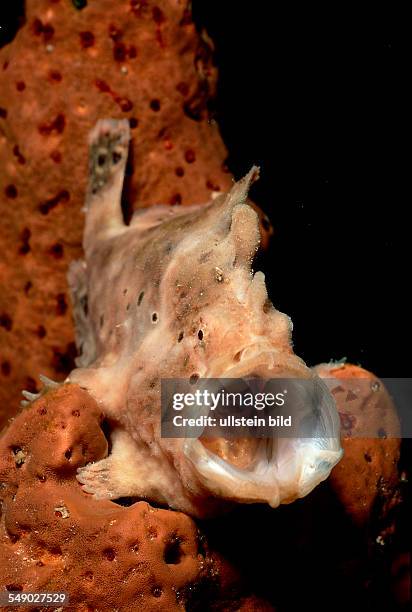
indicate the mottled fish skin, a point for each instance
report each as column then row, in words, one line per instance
column 172, row 295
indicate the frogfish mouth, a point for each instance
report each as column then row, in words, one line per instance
column 172, row 295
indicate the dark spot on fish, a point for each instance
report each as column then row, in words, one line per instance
column 212, row 186
column 48, row 32
column 155, row 105
column 125, row 104
column 205, row 256
column 5, row 368
column 267, row 306
column 56, row 250
column 102, row 86
column 6, row 321
column 11, row 192
column 17, row 153
column 116, row 157
column 55, row 76
column 25, row 238
column 351, row 396
column 114, row 32
column 56, row 156
column 56, row 125
column 48, row 205
column 87, row 39
column 61, row 306
column 119, row 52
column 190, row 156
column 109, row 554
column 158, row 16
column 175, row 199
column 347, row 421
column 41, row 331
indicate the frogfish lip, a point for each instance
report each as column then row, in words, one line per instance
column 274, row 470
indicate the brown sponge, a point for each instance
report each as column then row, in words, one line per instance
column 367, row 477
column 56, row 537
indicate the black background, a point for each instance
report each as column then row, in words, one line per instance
column 316, row 96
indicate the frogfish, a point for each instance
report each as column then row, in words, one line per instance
column 172, row 294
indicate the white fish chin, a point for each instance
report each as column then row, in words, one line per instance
column 293, row 471
column 275, row 470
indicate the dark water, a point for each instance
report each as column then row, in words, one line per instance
column 317, row 97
